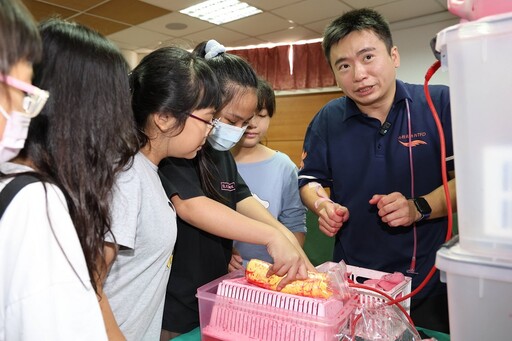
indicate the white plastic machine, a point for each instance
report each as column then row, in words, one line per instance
column 478, row 269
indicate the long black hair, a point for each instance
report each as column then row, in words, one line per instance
column 85, row 133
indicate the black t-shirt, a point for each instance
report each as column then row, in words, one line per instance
column 199, row 257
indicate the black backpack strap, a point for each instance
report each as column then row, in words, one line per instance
column 12, row 188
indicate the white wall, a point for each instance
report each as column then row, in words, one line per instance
column 415, row 53
column 132, row 57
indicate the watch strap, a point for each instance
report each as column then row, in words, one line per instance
column 423, row 208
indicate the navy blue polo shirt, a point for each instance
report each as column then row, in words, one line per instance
column 345, row 151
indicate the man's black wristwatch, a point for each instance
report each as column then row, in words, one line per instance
column 423, row 207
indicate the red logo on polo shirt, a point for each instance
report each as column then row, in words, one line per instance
column 414, row 143
column 415, row 139
column 227, row 186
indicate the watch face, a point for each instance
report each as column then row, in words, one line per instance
column 422, row 205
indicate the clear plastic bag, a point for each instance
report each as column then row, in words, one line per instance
column 379, row 322
column 337, row 281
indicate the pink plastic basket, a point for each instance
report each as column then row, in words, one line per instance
column 232, row 309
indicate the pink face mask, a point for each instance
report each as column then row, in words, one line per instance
column 17, row 123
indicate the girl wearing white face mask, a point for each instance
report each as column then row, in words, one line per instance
column 215, row 206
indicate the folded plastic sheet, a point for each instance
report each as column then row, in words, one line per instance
column 379, row 322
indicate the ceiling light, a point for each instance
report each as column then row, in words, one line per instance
column 221, row 11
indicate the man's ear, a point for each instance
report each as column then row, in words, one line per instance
column 395, row 56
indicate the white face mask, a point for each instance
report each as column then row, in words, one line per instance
column 224, row 136
column 15, row 134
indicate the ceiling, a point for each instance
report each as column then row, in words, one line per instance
column 144, row 25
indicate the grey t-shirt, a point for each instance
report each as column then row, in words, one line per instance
column 144, row 226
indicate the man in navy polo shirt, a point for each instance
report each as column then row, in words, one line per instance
column 377, row 149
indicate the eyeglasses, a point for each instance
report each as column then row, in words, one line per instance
column 212, row 124
column 35, row 98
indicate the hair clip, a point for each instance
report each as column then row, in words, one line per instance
column 213, row 49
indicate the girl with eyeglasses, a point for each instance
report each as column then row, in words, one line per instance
column 174, row 97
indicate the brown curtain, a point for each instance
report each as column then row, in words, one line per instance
column 310, row 68
column 271, row 64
